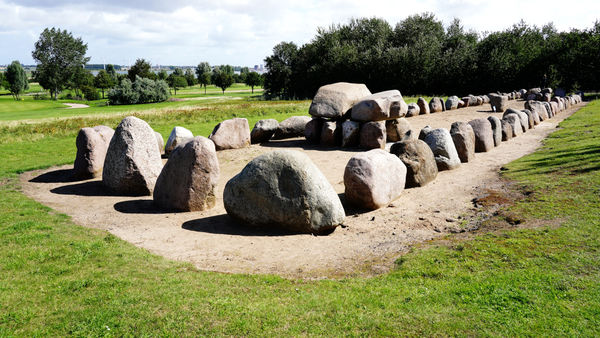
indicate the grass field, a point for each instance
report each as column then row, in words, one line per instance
column 57, row 278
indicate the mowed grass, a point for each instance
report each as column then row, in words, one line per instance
column 57, row 278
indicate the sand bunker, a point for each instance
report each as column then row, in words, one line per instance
column 367, row 243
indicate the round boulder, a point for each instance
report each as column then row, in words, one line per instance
column 336, row 99
column 291, row 127
column 263, row 131
column 350, row 133
column 464, row 140
column 419, row 160
column 179, row 135
column 413, row 110
column 442, row 146
column 92, row 144
column 423, row 106
column 380, row 106
column 231, row 134
column 396, row 129
column 373, row 135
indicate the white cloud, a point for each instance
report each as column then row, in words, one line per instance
column 242, row 32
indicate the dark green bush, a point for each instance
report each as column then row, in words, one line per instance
column 143, row 90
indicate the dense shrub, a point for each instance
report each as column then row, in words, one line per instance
column 90, row 93
column 143, row 90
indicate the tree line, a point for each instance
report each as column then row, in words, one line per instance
column 421, row 56
column 61, row 60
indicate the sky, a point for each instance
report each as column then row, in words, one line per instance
column 243, row 32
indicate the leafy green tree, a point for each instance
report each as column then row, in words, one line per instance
column 80, row 78
column 190, row 77
column 223, row 79
column 16, row 79
column 244, row 71
column 110, row 70
column 2, row 81
column 58, row 55
column 162, row 75
column 204, row 73
column 176, row 80
column 253, row 79
column 279, row 79
column 103, row 81
column 141, row 68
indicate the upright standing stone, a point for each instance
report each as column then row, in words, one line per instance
column 380, row 106
column 231, row 134
column 484, row 136
column 521, row 115
column 499, row 103
column 442, row 146
column 423, row 106
column 452, row 102
column 464, row 140
column 396, row 129
column 263, row 131
column 419, row 160
column 187, row 181
column 413, row 110
column 160, row 142
column 350, row 133
column 331, row 134
column 374, row 179
column 92, row 144
column 496, row 129
column 515, row 123
column 312, row 130
column 132, row 162
column 335, row 100
column 373, row 135
column 283, row 189
column 507, row 132
column 179, row 135
column 436, row 105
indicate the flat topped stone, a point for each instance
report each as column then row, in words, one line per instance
column 380, row 106
column 291, row 127
column 336, row 99
column 231, row 134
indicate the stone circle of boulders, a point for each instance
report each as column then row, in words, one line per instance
column 335, row 100
column 484, row 136
column 421, row 167
column 464, row 140
column 92, row 144
column 442, row 146
column 373, row 135
column 179, row 135
column 291, row 127
column 413, row 110
column 231, row 134
column 496, row 129
column 133, row 161
column 188, row 180
column 379, row 106
column 423, row 106
column 263, row 130
column 374, row 179
column 283, row 189
column 396, row 129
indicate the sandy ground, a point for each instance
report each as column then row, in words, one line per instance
column 367, row 244
column 76, row 105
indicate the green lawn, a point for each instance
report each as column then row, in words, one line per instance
column 57, row 278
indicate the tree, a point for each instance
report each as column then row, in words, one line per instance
column 253, row 79
column 279, row 77
column 103, row 81
column 243, row 73
column 141, row 68
column 58, row 54
column 189, row 76
column 223, row 80
column 176, row 80
column 204, row 72
column 16, row 79
column 2, row 81
column 80, row 78
column 162, row 75
column 110, row 70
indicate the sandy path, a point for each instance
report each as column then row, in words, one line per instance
column 369, row 242
column 76, row 105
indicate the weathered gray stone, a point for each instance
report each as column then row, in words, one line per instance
column 413, row 110
column 538, row 107
column 160, row 142
column 380, row 106
column 436, row 105
column 423, row 106
column 132, row 161
column 374, row 179
column 283, row 189
column 442, row 146
column 523, row 118
column 396, row 129
column 507, row 131
column 335, row 100
column 484, row 136
column 231, row 134
column 179, row 135
column 92, row 144
column 464, row 140
column 530, row 119
column 515, row 123
column 188, row 180
column 452, row 103
column 312, row 130
column 331, row 134
column 350, row 133
column 499, row 103
column 421, row 167
column 291, row 127
column 496, row 129
column 373, row 135
column 263, row 131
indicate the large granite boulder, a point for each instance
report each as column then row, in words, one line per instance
column 283, row 189
column 335, row 100
column 374, row 179
column 231, row 134
column 132, row 162
column 92, row 144
column 263, row 131
column 538, row 107
column 436, row 105
column 421, row 167
column 188, row 180
column 523, row 118
column 442, row 146
column 291, row 127
column 350, row 133
column 452, row 102
column 499, row 103
column 178, row 136
column 380, row 106
column 373, row 135
column 515, row 123
column 331, row 134
column 423, row 106
column 530, row 118
column 507, row 130
column 484, row 136
column 160, row 142
column 413, row 110
column 464, row 140
column 496, row 129
column 396, row 129
column 312, row 130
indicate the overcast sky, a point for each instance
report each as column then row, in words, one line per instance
column 243, row 32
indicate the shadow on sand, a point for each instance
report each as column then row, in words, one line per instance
column 56, row 176
column 141, row 206
column 225, row 225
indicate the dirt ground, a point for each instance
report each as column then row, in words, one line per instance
column 367, row 243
